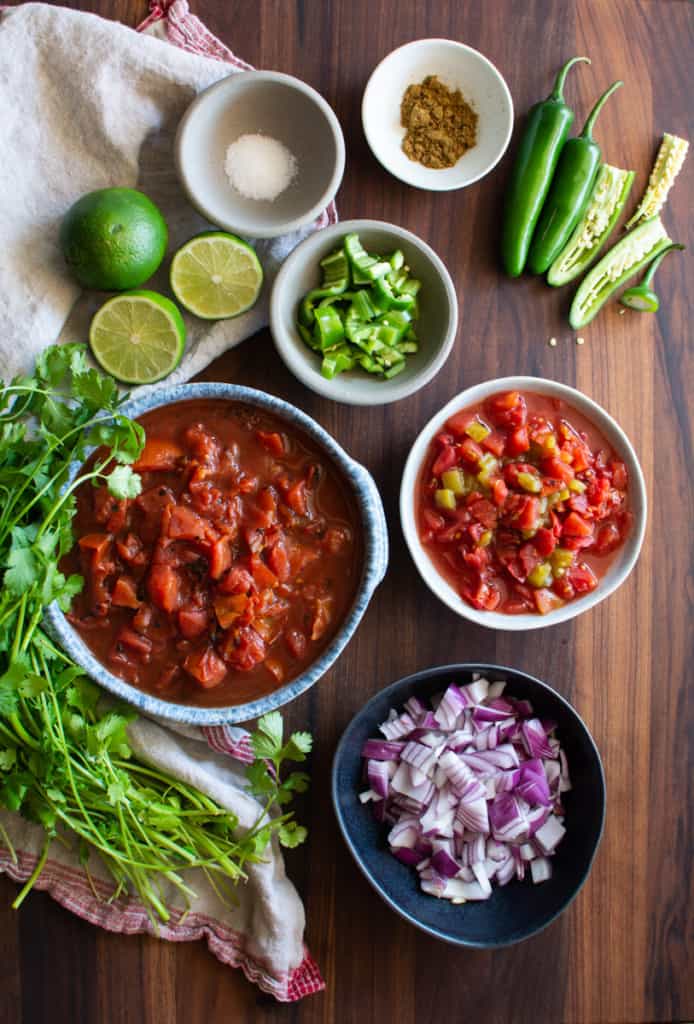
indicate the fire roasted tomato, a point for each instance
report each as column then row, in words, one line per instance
column 234, row 566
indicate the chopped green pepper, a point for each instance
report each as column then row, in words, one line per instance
column 530, row 482
column 369, row 268
column 454, row 480
column 362, row 315
column 477, row 431
column 540, row 575
column 560, row 560
column 329, row 329
column 444, row 498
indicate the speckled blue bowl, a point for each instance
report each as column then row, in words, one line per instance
column 375, row 536
column 515, row 911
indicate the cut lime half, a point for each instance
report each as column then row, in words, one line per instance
column 138, row 337
column 216, row 276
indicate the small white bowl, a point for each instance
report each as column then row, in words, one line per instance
column 626, row 556
column 271, row 104
column 436, row 326
column 459, row 67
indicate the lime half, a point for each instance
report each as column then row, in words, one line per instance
column 216, row 276
column 138, row 337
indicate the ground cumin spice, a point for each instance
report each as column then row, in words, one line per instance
column 440, row 125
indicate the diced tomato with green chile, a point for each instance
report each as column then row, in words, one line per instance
column 232, row 568
column 538, row 525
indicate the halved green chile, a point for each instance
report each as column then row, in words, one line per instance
column 569, row 193
column 546, row 129
column 622, row 261
column 607, row 200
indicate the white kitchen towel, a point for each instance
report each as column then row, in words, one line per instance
column 87, row 103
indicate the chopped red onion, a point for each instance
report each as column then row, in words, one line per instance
column 380, row 750
column 535, row 739
column 378, row 775
column 471, row 789
column 444, row 864
column 540, row 869
column 400, row 725
column 549, row 835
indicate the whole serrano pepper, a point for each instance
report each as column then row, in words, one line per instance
column 546, row 129
column 572, row 185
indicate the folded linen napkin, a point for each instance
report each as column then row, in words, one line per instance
column 89, row 103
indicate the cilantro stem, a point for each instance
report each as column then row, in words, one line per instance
column 8, row 843
column 29, row 884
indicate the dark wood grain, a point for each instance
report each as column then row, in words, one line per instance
column 622, row 954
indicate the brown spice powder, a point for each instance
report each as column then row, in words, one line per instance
column 440, row 125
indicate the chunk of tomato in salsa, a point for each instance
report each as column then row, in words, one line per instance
column 233, row 567
column 521, row 504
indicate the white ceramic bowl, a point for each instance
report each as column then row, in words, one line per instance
column 271, row 104
column 626, row 556
column 436, row 326
column 459, row 67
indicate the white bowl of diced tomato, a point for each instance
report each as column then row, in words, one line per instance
column 522, row 503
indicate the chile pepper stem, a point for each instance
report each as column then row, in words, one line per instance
column 587, row 132
column 558, row 90
column 650, row 273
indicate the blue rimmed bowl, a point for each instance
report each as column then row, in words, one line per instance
column 375, row 563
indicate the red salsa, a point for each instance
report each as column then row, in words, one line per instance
column 521, row 503
column 232, row 569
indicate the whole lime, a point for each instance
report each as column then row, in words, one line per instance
column 113, row 239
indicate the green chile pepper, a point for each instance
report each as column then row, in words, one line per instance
column 571, row 188
column 545, row 133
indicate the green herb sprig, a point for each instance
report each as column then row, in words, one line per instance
column 65, row 760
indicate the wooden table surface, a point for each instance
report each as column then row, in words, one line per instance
column 623, row 952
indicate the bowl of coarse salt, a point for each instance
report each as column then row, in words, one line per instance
column 260, row 153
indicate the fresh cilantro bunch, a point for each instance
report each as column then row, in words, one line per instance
column 65, row 761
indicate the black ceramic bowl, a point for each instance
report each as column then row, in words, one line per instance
column 513, row 912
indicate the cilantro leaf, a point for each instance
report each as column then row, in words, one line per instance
column 8, row 758
column 21, row 566
column 290, row 834
column 116, row 793
column 267, row 741
column 96, row 391
column 122, row 482
column 298, row 747
column 54, row 364
column 261, row 784
column 69, row 589
column 32, row 685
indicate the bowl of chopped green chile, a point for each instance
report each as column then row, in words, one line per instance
column 523, row 504
column 364, row 312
